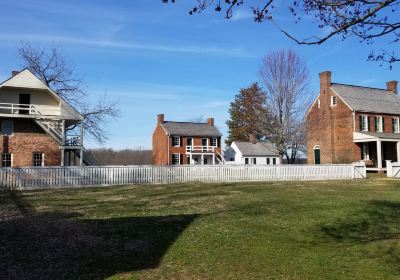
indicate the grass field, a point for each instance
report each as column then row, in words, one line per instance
column 279, row 230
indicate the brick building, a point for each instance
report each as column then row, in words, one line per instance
column 186, row 143
column 348, row 123
column 34, row 125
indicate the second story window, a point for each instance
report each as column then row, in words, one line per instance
column 176, row 141
column 395, row 125
column 379, row 124
column 364, row 123
column 189, row 142
column 7, row 127
column 6, row 160
column 333, row 101
column 214, row 142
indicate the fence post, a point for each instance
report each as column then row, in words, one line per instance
column 389, row 169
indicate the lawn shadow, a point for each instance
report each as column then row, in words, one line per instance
column 379, row 220
column 67, row 246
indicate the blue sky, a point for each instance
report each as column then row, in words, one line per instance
column 154, row 58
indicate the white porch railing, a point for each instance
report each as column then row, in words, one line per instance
column 29, row 109
column 47, row 177
column 200, row 149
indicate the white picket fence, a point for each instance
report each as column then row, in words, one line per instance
column 393, row 169
column 46, row 177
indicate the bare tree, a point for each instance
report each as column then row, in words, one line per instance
column 285, row 77
column 364, row 19
column 51, row 67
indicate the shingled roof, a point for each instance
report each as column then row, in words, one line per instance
column 365, row 99
column 191, row 129
column 256, row 149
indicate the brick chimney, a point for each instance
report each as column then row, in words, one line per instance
column 210, row 121
column 14, row 72
column 253, row 138
column 325, row 81
column 392, row 85
column 160, row 118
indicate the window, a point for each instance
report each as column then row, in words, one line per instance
column 395, row 125
column 38, row 159
column 273, row 161
column 268, row 161
column 205, row 161
column 319, row 103
column 364, row 123
column 254, row 160
column 204, row 142
column 6, row 160
column 379, row 124
column 333, row 101
column 7, row 127
column 189, row 142
column 176, row 141
column 188, row 159
column 214, row 142
column 246, row 160
column 176, row 159
column 365, row 151
column 232, row 159
column 317, row 155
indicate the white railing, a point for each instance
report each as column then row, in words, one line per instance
column 46, row 177
column 200, row 149
column 29, row 109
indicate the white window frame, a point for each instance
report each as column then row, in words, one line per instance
column 365, row 151
column 248, row 161
column 274, row 161
column 191, row 138
column 333, row 100
column 2, row 160
column 380, row 124
column 33, row 159
column 207, row 142
column 268, row 161
column 173, row 159
column 364, row 119
column 174, row 142
column 12, row 127
column 397, row 121
column 254, row 161
column 216, row 142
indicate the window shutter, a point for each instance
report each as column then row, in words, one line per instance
column 369, row 123
column 393, row 126
column 180, row 142
column 361, row 124
column 180, row 159
column 383, row 124
column 376, row 123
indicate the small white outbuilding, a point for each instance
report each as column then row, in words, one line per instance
column 252, row 152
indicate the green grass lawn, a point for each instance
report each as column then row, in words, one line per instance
column 271, row 230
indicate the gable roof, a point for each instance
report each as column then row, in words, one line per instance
column 26, row 79
column 365, row 99
column 257, row 149
column 191, row 129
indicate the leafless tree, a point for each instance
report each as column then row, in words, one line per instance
column 52, row 68
column 285, row 78
column 364, row 19
column 139, row 156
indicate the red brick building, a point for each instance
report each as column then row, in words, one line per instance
column 35, row 125
column 348, row 123
column 180, row 143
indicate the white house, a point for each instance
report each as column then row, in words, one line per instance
column 252, row 152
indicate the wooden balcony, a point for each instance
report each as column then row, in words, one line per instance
column 200, row 149
column 29, row 110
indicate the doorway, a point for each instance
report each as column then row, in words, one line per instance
column 317, row 155
column 24, row 101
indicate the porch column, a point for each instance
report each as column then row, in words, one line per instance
column 190, row 158
column 398, row 151
column 213, row 159
column 202, row 158
column 62, row 142
column 379, row 153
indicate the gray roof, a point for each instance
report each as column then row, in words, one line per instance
column 191, row 129
column 364, row 99
column 257, row 149
column 385, row 135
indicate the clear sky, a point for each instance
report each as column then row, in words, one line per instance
column 155, row 58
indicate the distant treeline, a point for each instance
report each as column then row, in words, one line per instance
column 122, row 157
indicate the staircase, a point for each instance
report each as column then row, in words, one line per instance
column 220, row 158
column 53, row 128
column 88, row 159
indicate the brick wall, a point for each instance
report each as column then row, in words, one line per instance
column 182, row 149
column 160, row 146
column 29, row 138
